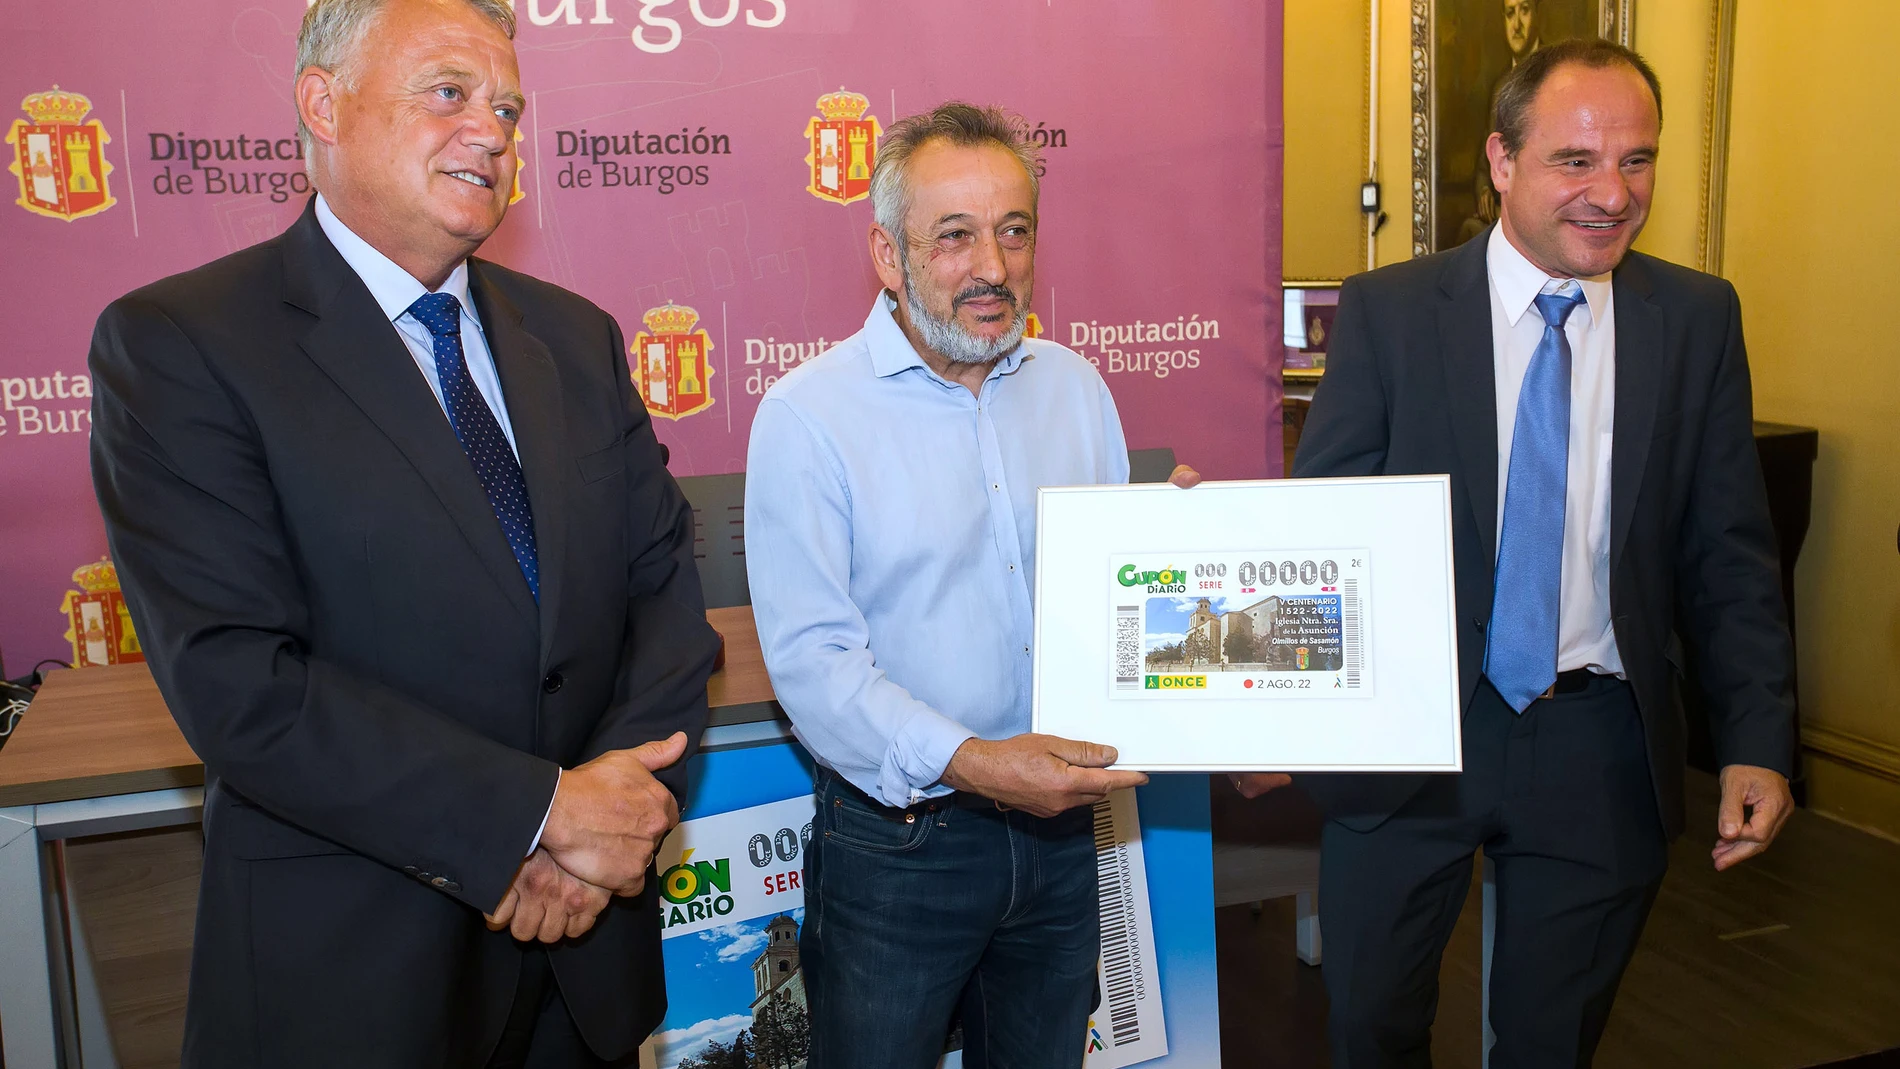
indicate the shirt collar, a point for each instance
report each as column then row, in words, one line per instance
column 892, row 352
column 394, row 289
column 1518, row 281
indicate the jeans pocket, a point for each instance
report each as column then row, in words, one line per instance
column 850, row 822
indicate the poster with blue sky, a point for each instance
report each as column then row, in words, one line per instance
column 731, row 903
column 733, row 906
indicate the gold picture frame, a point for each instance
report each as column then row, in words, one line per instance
column 1720, row 78
column 1461, row 49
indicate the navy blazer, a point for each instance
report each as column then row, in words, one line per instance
column 335, row 619
column 1410, row 388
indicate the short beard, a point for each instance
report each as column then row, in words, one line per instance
column 948, row 338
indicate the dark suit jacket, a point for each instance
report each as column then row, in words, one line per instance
column 333, row 615
column 1409, row 388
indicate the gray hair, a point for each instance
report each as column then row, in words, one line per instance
column 958, row 123
column 334, row 29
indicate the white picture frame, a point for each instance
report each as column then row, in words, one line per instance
column 1379, row 604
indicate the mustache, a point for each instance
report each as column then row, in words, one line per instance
column 979, row 292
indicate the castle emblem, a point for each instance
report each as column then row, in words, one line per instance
column 101, row 626
column 521, row 163
column 59, row 158
column 670, row 364
column 843, row 147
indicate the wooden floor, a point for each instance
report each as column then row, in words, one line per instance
column 1792, row 960
column 137, row 895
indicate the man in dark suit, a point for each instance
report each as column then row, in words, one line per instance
column 1592, row 406
column 401, row 546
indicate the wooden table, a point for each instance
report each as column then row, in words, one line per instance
column 98, row 752
column 106, row 731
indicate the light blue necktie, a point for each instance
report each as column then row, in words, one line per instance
column 480, row 433
column 1521, row 648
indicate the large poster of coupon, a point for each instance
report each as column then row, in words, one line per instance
column 732, row 908
column 732, row 969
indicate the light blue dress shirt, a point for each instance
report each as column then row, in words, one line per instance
column 395, row 290
column 890, row 536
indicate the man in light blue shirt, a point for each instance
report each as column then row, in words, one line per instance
column 891, row 512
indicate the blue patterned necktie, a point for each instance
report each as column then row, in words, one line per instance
column 1521, row 651
column 479, row 433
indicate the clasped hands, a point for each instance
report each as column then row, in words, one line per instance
column 610, row 815
column 607, row 821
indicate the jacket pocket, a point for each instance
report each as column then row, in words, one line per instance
column 602, row 464
column 245, row 831
column 1672, row 652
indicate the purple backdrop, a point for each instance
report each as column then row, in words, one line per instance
column 1159, row 243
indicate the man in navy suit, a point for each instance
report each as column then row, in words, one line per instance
column 417, row 587
column 1592, row 406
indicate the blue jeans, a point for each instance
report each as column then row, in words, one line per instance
column 911, row 914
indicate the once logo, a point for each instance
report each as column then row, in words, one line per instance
column 1175, row 683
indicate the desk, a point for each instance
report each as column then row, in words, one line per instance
column 99, row 753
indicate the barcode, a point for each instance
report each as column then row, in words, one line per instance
column 1349, row 632
column 1127, row 647
column 1119, row 951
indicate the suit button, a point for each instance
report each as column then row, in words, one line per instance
column 452, row 887
column 553, row 682
column 439, row 881
column 411, row 870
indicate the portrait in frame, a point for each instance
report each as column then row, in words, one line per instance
column 1461, row 52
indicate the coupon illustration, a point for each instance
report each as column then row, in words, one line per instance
column 1268, row 624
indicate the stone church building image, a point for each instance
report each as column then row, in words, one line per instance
column 1256, row 625
column 775, row 972
column 780, row 1016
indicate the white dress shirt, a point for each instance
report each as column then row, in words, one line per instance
column 395, row 290
column 1584, row 636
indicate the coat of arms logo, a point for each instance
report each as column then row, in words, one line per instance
column 517, row 192
column 843, row 147
column 101, row 626
column 59, row 158
column 670, row 363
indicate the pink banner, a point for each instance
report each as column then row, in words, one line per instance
column 710, row 154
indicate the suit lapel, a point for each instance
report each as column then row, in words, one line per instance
column 1464, row 338
column 533, row 388
column 1640, row 355
column 358, row 348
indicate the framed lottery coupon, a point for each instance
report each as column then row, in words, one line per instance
column 1285, row 625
